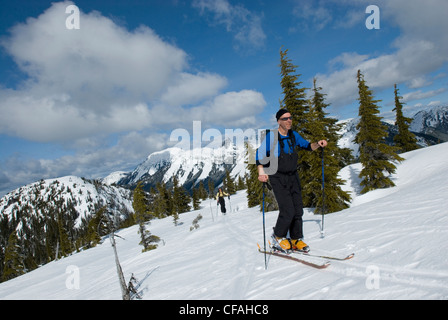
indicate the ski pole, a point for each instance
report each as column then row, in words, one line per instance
column 323, row 194
column 264, row 230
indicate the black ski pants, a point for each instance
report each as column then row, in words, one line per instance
column 222, row 203
column 288, row 194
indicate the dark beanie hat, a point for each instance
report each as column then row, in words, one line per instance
column 280, row 112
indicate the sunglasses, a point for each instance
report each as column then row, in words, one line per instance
column 286, row 118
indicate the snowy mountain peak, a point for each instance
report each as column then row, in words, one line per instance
column 80, row 196
column 189, row 165
column 435, row 118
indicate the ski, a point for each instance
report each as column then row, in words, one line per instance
column 289, row 257
column 307, row 253
column 324, row 257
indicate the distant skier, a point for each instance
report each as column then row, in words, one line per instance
column 220, row 199
column 284, row 179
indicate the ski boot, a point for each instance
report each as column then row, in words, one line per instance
column 299, row 245
column 281, row 244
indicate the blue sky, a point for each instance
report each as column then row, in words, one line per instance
column 101, row 98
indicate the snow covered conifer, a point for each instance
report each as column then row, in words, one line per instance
column 375, row 155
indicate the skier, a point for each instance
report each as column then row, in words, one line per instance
column 281, row 171
column 220, row 200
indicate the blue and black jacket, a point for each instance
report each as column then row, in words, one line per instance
column 284, row 145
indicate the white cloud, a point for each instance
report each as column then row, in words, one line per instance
column 230, row 109
column 192, row 88
column 237, row 109
column 53, row 118
column 102, row 60
column 99, row 79
column 94, row 161
column 419, row 50
column 419, row 94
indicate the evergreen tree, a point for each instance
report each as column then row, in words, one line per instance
column 253, row 185
column 97, row 226
column 404, row 140
column 13, row 264
column 162, row 201
column 374, row 154
column 295, row 101
column 196, row 199
column 211, row 188
column 181, row 199
column 202, row 193
column 64, row 243
column 322, row 127
column 175, row 218
column 228, row 183
column 254, row 196
column 240, row 185
column 142, row 215
column 153, row 203
column 294, row 97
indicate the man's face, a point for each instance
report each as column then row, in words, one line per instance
column 285, row 121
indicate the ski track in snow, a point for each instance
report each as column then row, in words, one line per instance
column 399, row 236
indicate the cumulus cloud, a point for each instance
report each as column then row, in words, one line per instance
column 231, row 109
column 419, row 50
column 239, row 108
column 99, row 79
column 109, row 94
column 192, row 88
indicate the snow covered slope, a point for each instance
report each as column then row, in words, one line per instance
column 399, row 235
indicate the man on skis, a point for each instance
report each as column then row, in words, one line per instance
column 277, row 162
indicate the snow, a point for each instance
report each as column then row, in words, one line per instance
column 429, row 118
column 348, row 133
column 399, row 236
column 114, row 177
column 186, row 163
column 83, row 192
